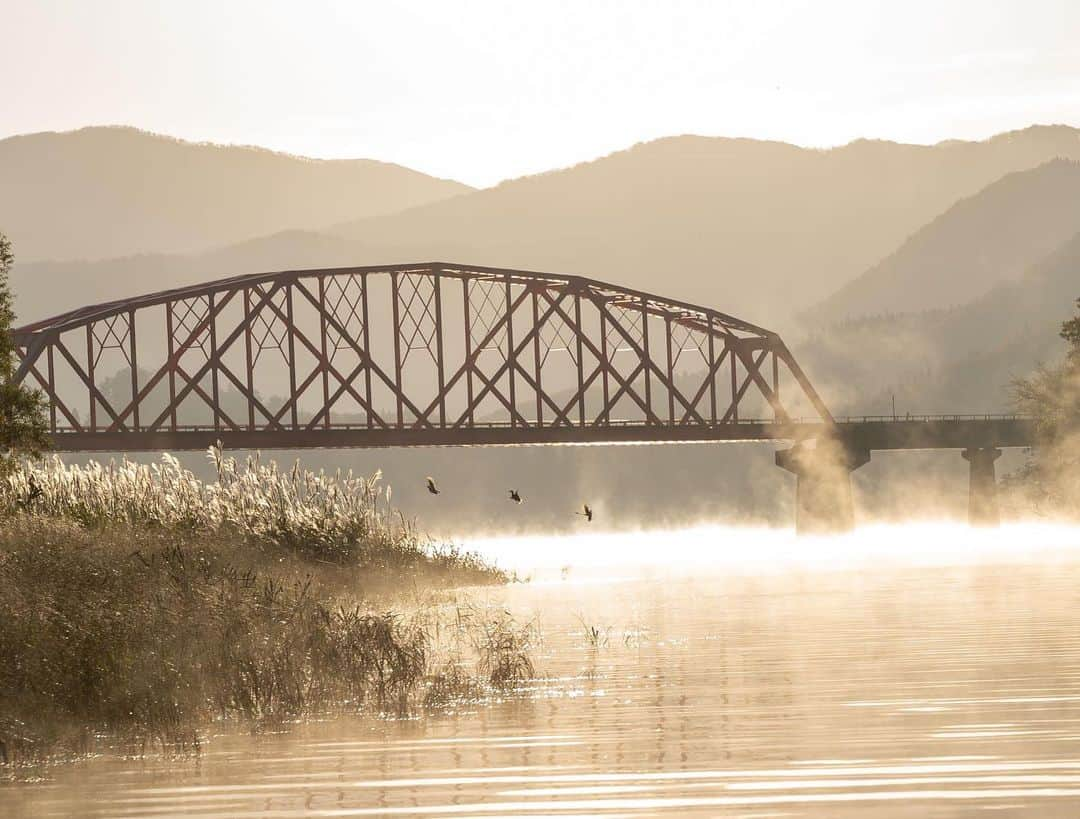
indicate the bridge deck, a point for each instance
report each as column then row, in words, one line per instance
column 863, row 433
column 441, row 342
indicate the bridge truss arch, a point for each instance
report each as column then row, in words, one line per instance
column 419, row 354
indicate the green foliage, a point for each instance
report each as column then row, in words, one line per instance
column 22, row 410
column 1051, row 395
column 1070, row 331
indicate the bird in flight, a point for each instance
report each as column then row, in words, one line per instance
column 431, row 487
column 586, row 512
column 514, row 496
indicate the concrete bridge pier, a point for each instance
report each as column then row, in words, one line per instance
column 823, row 502
column 982, row 491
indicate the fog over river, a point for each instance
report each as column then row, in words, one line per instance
column 926, row 670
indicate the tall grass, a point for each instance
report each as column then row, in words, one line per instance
column 338, row 518
column 141, row 603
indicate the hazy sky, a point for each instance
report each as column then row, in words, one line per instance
column 481, row 91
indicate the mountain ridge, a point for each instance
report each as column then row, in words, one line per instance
column 960, row 359
column 798, row 219
column 981, row 241
column 689, row 217
column 112, row 191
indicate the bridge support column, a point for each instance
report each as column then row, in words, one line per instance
column 823, row 502
column 982, row 491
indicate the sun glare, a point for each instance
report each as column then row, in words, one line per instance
column 736, row 549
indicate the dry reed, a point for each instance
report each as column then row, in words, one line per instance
column 141, row 603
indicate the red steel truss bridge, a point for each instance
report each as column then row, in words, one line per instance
column 422, row 354
column 434, row 354
column 447, row 354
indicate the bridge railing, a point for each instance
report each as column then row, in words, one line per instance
column 631, row 423
column 924, row 417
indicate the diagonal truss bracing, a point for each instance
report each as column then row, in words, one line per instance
column 435, row 350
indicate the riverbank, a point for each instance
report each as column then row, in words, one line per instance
column 141, row 604
column 836, row 694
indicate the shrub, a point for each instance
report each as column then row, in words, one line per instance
column 141, row 602
column 146, row 637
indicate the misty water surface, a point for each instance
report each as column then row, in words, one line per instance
column 903, row 671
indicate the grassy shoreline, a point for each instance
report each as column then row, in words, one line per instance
column 141, row 604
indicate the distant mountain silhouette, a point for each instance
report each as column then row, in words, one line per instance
column 105, row 192
column 956, row 360
column 981, row 241
column 758, row 229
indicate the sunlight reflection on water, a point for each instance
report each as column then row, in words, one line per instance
column 926, row 670
column 754, row 550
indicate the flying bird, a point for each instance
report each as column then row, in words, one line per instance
column 514, row 496
column 586, row 513
column 431, row 487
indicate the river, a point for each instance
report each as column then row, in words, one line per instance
column 905, row 671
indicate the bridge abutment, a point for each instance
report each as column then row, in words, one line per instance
column 982, row 490
column 823, row 500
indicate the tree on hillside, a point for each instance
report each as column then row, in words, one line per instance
column 1052, row 396
column 1070, row 331
column 22, row 415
